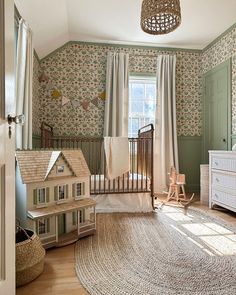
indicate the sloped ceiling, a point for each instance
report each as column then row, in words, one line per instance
column 54, row 22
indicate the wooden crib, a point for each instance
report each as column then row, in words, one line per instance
column 138, row 180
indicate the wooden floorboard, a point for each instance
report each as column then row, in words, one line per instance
column 59, row 277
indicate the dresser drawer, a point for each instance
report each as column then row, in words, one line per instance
column 224, row 198
column 220, row 163
column 223, row 180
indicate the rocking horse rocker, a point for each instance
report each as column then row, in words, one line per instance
column 176, row 188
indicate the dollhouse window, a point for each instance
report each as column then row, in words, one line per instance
column 79, row 189
column 41, row 196
column 43, row 226
column 60, row 169
column 61, row 192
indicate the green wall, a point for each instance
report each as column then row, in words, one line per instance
column 190, row 154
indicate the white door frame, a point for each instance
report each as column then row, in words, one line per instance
column 7, row 149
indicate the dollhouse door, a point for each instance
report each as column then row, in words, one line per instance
column 61, row 224
column 7, row 150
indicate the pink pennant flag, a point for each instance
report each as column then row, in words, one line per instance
column 85, row 105
column 64, row 100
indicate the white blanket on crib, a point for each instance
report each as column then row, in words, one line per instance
column 117, row 156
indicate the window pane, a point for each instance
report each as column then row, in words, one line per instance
column 136, row 106
column 151, row 91
column 149, row 108
column 137, row 91
column 41, row 195
column 42, row 227
column 135, row 126
column 78, row 189
column 61, row 192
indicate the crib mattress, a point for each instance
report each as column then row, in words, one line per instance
column 132, row 182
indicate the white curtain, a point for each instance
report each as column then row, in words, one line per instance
column 24, row 78
column 165, row 146
column 117, row 91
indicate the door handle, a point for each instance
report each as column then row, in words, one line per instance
column 224, row 140
column 20, row 119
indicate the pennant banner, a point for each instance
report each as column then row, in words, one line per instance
column 64, row 100
column 85, row 105
column 56, row 94
column 102, row 95
column 75, row 103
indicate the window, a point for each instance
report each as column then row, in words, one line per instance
column 60, row 169
column 79, row 189
column 82, row 216
column 61, row 192
column 41, row 196
column 43, row 226
column 142, row 103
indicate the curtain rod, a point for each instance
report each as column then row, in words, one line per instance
column 144, row 55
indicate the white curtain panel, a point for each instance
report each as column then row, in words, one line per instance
column 165, row 143
column 24, row 80
column 117, row 92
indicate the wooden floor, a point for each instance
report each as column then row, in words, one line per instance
column 59, row 276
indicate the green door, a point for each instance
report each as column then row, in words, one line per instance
column 61, row 224
column 217, row 109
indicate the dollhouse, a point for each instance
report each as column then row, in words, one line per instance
column 53, row 195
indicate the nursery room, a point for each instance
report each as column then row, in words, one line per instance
column 118, row 147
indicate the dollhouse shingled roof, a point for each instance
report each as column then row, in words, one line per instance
column 36, row 165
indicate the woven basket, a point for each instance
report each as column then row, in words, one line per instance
column 29, row 257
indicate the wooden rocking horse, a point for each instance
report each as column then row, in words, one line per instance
column 176, row 188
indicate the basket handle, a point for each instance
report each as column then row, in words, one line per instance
column 20, row 228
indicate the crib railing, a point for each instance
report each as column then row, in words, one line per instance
column 140, row 177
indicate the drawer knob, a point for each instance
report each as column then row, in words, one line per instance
column 216, row 163
column 216, row 196
column 217, row 179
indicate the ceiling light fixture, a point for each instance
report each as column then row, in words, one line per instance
column 160, row 16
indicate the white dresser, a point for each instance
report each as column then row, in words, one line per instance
column 222, row 179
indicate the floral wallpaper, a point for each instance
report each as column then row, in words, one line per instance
column 72, row 101
column 36, row 97
column 221, row 51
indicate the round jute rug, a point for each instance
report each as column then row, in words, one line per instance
column 167, row 252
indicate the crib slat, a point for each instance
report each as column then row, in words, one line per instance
column 132, row 165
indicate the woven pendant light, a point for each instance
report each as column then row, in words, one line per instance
column 160, row 16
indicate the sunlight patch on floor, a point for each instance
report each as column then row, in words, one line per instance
column 218, row 238
column 179, row 217
column 180, row 231
column 193, row 241
column 222, row 244
column 176, row 214
column 200, row 229
column 212, row 238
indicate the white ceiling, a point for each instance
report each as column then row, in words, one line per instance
column 54, row 22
